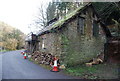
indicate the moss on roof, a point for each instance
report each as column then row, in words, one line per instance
column 60, row 22
column 68, row 16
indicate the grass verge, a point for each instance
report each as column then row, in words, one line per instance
column 42, row 65
column 101, row 71
column 4, row 50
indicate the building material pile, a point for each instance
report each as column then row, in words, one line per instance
column 98, row 60
column 42, row 57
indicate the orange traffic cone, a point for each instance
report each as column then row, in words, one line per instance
column 25, row 56
column 55, row 67
column 23, row 53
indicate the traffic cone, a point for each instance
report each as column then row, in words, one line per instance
column 23, row 53
column 55, row 67
column 25, row 56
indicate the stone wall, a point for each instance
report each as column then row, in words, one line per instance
column 70, row 45
column 77, row 48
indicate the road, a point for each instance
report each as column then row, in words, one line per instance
column 0, row 65
column 15, row 67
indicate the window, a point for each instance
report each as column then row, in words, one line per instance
column 95, row 29
column 39, row 45
column 43, row 44
column 81, row 25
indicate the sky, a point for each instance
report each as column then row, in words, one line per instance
column 20, row 13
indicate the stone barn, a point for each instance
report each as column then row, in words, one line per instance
column 76, row 38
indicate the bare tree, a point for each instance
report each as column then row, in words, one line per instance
column 41, row 17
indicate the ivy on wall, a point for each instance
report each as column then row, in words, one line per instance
column 80, row 51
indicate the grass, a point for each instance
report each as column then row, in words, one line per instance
column 101, row 71
column 4, row 50
column 42, row 65
column 82, row 71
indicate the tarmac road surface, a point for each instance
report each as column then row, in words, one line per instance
column 14, row 66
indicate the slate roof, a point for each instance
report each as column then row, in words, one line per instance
column 101, row 12
column 62, row 21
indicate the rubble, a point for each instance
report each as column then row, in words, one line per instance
column 98, row 60
column 42, row 57
column 62, row 66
